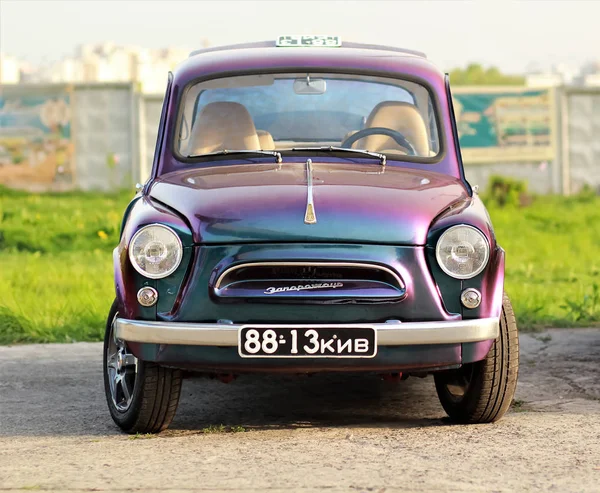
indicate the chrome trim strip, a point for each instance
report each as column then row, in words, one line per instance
column 361, row 265
column 388, row 334
column 310, row 216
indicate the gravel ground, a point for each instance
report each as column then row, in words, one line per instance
column 323, row 433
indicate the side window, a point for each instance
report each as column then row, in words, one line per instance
column 196, row 110
column 434, row 141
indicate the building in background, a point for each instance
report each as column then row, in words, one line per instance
column 109, row 62
column 103, row 63
column 10, row 69
column 590, row 74
column 153, row 66
column 558, row 75
column 587, row 75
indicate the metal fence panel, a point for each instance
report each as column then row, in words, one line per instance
column 103, row 136
column 505, row 124
column 583, row 138
column 36, row 137
column 151, row 107
column 537, row 175
column 104, row 122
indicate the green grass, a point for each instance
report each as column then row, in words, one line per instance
column 142, row 436
column 55, row 297
column 552, row 260
column 56, row 263
column 223, row 429
column 518, row 405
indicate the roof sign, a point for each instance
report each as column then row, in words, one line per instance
column 309, row 41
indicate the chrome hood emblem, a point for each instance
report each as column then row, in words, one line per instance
column 309, row 216
column 304, row 287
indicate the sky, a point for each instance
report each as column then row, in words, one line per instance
column 513, row 35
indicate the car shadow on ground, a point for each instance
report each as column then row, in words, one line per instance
column 63, row 397
column 57, row 390
column 323, row 400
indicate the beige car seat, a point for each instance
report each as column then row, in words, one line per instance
column 266, row 140
column 223, row 125
column 400, row 116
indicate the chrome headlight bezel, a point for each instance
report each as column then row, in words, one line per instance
column 445, row 268
column 166, row 273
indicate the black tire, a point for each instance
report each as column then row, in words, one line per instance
column 155, row 395
column 489, row 385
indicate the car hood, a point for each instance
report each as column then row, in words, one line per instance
column 354, row 203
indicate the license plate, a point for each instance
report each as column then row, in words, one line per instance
column 307, row 342
column 299, row 41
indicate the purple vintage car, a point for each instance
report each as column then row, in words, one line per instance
column 307, row 211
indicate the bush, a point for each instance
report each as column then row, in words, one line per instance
column 586, row 309
column 585, row 195
column 504, row 191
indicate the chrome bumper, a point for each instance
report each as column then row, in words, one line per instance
column 388, row 334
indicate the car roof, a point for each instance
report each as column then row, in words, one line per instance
column 266, row 55
column 272, row 44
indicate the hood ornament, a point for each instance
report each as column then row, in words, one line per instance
column 309, row 216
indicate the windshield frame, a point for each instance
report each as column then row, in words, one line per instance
column 398, row 158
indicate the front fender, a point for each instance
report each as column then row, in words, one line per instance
column 142, row 212
column 470, row 211
column 490, row 282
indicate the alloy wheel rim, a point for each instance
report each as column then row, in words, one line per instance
column 121, row 367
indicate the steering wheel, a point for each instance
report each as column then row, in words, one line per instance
column 400, row 139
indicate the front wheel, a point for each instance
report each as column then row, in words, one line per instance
column 142, row 397
column 481, row 392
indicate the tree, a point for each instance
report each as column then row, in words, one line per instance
column 476, row 75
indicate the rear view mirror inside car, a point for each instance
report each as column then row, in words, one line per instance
column 310, row 86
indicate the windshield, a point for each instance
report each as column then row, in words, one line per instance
column 282, row 112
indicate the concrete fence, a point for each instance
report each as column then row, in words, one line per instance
column 579, row 157
column 99, row 136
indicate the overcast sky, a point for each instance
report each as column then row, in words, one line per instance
column 509, row 34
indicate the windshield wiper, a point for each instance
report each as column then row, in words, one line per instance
column 382, row 157
column 275, row 154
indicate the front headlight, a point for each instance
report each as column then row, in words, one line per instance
column 462, row 251
column 155, row 251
